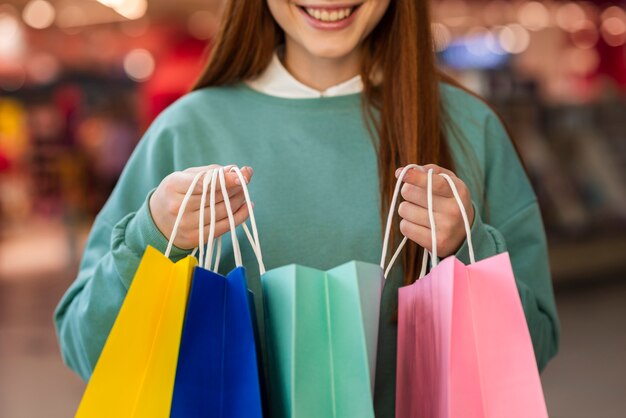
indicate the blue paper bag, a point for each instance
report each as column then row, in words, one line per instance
column 218, row 369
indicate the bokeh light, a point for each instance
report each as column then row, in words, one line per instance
column 534, row 16
column 514, row 38
column 43, row 68
column 613, row 26
column 569, row 16
column 139, row 65
column 11, row 37
column 38, row 14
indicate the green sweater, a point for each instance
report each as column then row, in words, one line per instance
column 317, row 203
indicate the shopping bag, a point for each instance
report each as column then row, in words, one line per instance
column 134, row 375
column 464, row 348
column 321, row 336
column 319, row 325
column 218, row 369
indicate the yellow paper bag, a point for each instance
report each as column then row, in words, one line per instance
column 134, row 376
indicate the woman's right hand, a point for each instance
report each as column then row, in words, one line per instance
column 168, row 197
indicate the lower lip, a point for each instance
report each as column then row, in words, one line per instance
column 338, row 25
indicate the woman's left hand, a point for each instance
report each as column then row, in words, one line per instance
column 415, row 224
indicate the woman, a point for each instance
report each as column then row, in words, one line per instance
column 326, row 100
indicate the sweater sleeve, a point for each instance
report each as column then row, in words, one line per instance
column 510, row 220
column 119, row 236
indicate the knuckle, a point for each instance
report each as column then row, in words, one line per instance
column 464, row 192
column 167, row 186
column 404, row 227
column 172, row 207
column 403, row 209
column 407, row 191
column 242, row 215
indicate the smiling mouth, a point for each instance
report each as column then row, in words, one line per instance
column 329, row 14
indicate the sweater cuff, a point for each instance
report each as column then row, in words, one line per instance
column 487, row 241
column 141, row 231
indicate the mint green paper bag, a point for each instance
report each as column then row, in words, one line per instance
column 321, row 330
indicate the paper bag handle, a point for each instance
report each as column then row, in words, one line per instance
column 253, row 238
column 181, row 211
column 431, row 217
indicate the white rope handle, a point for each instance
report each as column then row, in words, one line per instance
column 392, row 208
column 231, row 219
column 205, row 187
column 431, row 216
column 424, row 264
column 466, row 224
column 181, row 211
column 254, row 243
column 254, row 238
column 211, row 239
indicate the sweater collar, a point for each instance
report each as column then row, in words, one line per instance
column 277, row 81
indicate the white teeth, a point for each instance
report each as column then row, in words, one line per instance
column 326, row 16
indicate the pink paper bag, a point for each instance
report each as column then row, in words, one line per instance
column 464, row 348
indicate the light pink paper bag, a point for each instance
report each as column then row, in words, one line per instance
column 464, row 349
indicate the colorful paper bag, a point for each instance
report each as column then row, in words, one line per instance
column 218, row 369
column 464, row 349
column 134, row 375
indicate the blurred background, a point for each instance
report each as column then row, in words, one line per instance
column 80, row 80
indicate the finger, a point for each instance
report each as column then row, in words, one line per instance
column 223, row 226
column 419, row 178
column 439, row 170
column 233, row 183
column 196, row 199
column 236, row 202
column 182, row 180
column 189, row 228
column 414, row 214
column 444, row 220
column 419, row 196
column 417, row 233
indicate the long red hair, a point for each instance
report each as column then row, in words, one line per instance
column 403, row 111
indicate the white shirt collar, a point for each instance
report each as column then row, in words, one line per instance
column 277, row 81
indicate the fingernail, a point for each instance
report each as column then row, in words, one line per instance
column 250, row 170
column 398, row 171
column 237, row 181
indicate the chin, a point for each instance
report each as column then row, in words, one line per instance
column 330, row 50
